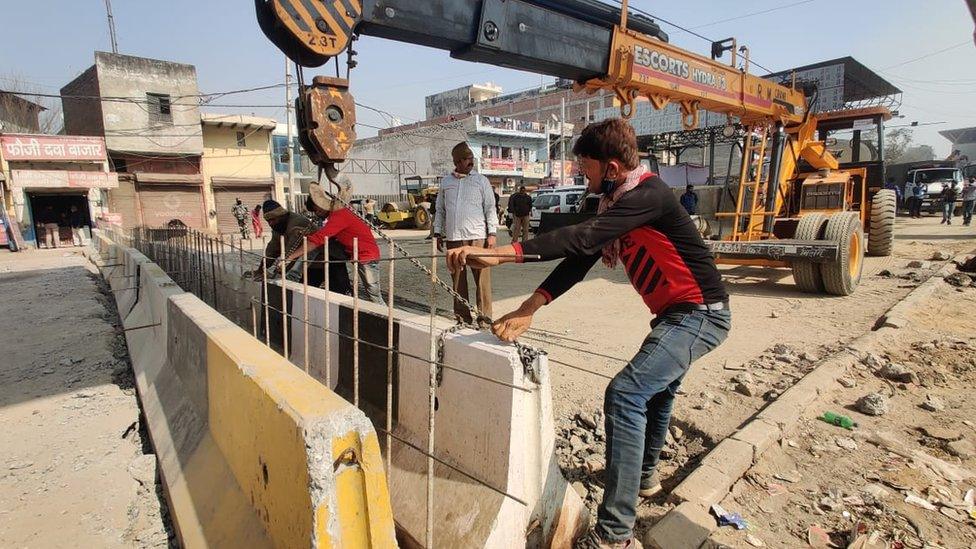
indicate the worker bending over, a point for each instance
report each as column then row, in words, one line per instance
column 641, row 225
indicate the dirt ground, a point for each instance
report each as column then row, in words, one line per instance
column 826, row 483
column 75, row 468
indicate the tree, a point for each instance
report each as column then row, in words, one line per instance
column 897, row 142
column 50, row 120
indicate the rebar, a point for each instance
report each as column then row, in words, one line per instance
column 431, row 399
column 325, row 321
column 284, row 300
column 305, row 294
column 355, row 322
column 389, row 367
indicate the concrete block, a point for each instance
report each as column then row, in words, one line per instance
column 731, row 457
column 686, row 526
column 705, row 485
column 760, row 434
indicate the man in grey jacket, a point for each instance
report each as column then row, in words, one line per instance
column 465, row 216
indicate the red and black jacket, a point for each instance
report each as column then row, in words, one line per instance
column 665, row 257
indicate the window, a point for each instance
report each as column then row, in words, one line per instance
column 572, row 198
column 241, row 140
column 160, row 108
column 545, row 201
column 120, row 165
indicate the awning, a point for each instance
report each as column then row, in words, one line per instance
column 237, row 182
column 169, row 178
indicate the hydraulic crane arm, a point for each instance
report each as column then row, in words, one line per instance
column 596, row 45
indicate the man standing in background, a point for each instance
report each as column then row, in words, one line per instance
column 466, row 216
column 241, row 214
column 689, row 200
column 968, row 200
column 520, row 206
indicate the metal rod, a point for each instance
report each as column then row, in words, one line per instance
column 431, row 399
column 284, row 301
column 141, row 327
column 389, row 367
column 326, row 320
column 267, row 304
column 454, row 468
column 213, row 270
column 355, row 322
column 305, row 295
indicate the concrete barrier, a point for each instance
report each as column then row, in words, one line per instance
column 252, row 451
column 493, row 422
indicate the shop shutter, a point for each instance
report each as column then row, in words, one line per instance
column 225, row 198
column 123, row 201
column 164, row 203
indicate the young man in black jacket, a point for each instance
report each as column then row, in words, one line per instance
column 641, row 225
column 520, row 206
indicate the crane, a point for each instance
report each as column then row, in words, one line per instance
column 796, row 206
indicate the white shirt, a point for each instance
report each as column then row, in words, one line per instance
column 465, row 208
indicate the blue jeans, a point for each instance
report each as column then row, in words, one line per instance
column 638, row 403
column 947, row 209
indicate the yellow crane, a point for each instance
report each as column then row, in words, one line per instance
column 795, row 207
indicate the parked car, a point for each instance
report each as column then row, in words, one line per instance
column 555, row 200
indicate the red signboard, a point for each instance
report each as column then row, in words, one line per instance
column 51, row 147
column 507, row 164
column 58, row 179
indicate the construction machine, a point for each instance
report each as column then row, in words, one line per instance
column 796, row 206
column 417, row 210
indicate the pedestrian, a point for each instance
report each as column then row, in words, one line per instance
column 241, row 214
column 369, row 206
column 52, row 231
column 520, row 206
column 909, row 196
column 689, row 200
column 256, row 221
column 948, row 199
column 77, row 221
column 466, row 217
column 890, row 185
column 919, row 192
column 641, row 224
column 342, row 225
column 968, row 200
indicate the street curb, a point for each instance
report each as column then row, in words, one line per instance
column 708, row 484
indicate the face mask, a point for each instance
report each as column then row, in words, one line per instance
column 606, row 184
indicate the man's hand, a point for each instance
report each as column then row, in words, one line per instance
column 440, row 244
column 509, row 327
column 490, row 243
column 457, row 258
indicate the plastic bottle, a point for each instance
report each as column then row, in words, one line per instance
column 838, row 420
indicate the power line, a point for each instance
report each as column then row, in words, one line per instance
column 927, row 55
column 763, row 12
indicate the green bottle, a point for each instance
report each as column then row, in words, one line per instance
column 838, row 420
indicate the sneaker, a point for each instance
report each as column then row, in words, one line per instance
column 650, row 486
column 592, row 540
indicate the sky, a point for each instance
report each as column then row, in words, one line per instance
column 48, row 42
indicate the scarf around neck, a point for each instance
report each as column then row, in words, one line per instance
column 611, row 252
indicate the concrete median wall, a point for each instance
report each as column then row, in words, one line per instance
column 252, row 451
column 493, row 421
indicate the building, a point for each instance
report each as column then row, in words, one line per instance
column 964, row 141
column 460, row 100
column 509, row 152
column 304, row 171
column 18, row 115
column 147, row 112
column 236, row 164
column 54, row 179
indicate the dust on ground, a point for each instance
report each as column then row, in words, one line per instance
column 825, row 484
column 76, row 468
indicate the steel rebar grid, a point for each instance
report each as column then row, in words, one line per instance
column 389, row 368
column 305, row 293
column 355, row 322
column 431, row 399
column 284, row 300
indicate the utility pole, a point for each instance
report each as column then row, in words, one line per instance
column 111, row 26
column 562, row 140
column 291, row 138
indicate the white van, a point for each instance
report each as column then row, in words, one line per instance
column 554, row 200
